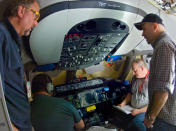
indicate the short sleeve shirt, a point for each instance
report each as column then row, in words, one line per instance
column 139, row 98
column 53, row 114
column 162, row 75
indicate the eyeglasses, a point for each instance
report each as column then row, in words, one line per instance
column 36, row 13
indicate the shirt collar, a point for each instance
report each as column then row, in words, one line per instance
column 13, row 32
column 156, row 41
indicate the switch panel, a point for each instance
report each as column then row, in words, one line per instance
column 90, row 42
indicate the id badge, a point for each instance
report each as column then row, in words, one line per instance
column 29, row 94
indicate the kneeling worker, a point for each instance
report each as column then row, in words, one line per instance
column 50, row 113
column 138, row 99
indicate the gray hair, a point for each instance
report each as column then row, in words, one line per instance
column 140, row 62
column 11, row 6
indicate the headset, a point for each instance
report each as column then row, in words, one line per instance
column 42, row 82
column 50, row 87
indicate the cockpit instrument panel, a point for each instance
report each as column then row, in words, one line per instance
column 91, row 41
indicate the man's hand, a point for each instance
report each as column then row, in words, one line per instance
column 135, row 112
column 158, row 101
column 79, row 125
column 126, row 100
column 148, row 121
column 122, row 104
column 14, row 127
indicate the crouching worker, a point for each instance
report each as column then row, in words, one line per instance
column 137, row 99
column 50, row 113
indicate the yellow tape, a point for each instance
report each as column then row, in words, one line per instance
column 90, row 108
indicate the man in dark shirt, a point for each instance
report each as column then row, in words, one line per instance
column 161, row 113
column 50, row 113
column 19, row 18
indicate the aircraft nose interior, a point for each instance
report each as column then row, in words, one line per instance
column 77, row 34
column 91, row 41
column 73, row 35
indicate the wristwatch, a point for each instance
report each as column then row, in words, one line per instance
column 150, row 118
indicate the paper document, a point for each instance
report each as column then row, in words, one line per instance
column 126, row 109
column 100, row 128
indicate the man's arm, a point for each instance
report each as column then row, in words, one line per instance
column 159, row 100
column 14, row 127
column 79, row 125
column 164, row 71
column 2, row 49
column 138, row 111
column 126, row 100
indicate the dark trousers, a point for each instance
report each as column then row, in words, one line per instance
column 129, row 122
column 161, row 125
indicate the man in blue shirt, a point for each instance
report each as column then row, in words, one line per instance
column 19, row 18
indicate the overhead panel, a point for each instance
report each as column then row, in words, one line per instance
column 77, row 34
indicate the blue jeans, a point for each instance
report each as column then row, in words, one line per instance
column 161, row 125
column 129, row 122
column 137, row 123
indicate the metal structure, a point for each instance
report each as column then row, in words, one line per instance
column 5, row 124
column 77, row 34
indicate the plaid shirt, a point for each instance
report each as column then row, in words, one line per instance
column 162, row 75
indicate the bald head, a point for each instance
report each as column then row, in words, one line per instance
column 152, row 26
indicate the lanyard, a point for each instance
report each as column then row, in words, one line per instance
column 141, row 85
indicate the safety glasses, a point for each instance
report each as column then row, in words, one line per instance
column 36, row 13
